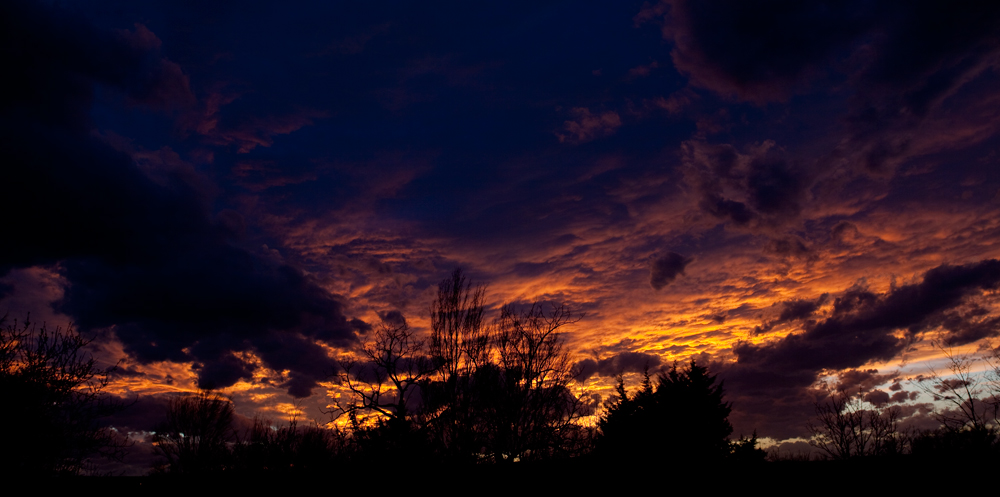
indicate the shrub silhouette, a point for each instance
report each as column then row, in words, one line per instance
column 200, row 438
column 53, row 401
column 953, row 444
column 284, row 449
column 198, row 434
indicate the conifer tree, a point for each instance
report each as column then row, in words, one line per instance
column 685, row 419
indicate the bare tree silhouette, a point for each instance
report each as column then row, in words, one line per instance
column 847, row 427
column 459, row 335
column 459, row 346
column 975, row 396
column 525, row 401
column 476, row 392
column 385, row 384
column 389, row 378
column 972, row 425
column 54, row 397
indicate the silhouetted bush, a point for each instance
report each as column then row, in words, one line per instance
column 198, row 435
column 200, row 438
column 745, row 451
column 958, row 444
column 267, row 448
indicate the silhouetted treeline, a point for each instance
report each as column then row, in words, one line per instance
column 852, row 426
column 477, row 392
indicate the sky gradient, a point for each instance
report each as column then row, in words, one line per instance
column 231, row 194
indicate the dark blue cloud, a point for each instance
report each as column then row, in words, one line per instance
column 665, row 269
column 147, row 257
column 623, row 362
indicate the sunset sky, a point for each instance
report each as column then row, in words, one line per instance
column 231, row 194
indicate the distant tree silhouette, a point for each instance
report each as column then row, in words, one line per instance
column 197, row 435
column 972, row 426
column 745, row 450
column 200, row 437
column 53, row 400
column 683, row 420
column 975, row 397
column 847, row 427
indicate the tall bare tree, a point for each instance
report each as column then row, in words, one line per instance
column 394, row 366
column 530, row 409
column 459, row 346
column 459, row 335
column 972, row 425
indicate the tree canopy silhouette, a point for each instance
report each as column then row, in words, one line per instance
column 477, row 391
column 53, row 401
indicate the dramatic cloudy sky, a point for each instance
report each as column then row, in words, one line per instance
column 230, row 194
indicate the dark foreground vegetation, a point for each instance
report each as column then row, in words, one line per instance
column 491, row 400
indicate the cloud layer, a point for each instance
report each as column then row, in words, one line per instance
column 790, row 191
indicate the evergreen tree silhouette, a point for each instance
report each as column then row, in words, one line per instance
column 684, row 420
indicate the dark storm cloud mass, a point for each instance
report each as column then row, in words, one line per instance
column 862, row 323
column 759, row 189
column 800, row 309
column 793, row 310
column 757, row 50
column 764, row 50
column 146, row 257
column 665, row 269
column 863, row 326
column 901, row 58
column 862, row 380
